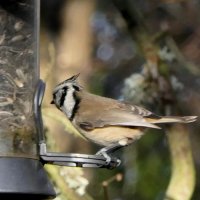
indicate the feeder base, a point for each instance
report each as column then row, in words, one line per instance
column 24, row 178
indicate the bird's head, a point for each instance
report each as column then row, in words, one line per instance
column 69, row 86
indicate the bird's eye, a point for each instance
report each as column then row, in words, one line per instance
column 64, row 89
column 76, row 87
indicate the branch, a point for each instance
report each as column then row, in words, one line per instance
column 182, row 181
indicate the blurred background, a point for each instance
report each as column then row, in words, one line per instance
column 143, row 52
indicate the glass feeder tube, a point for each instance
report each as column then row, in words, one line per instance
column 22, row 175
column 18, row 78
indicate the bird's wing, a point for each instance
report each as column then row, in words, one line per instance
column 137, row 110
column 112, row 113
column 121, row 118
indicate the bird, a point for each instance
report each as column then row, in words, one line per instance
column 109, row 123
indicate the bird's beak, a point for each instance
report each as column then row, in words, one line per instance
column 52, row 102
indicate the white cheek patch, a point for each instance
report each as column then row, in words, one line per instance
column 69, row 103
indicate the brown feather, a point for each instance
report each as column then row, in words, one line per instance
column 106, row 121
column 173, row 119
column 109, row 112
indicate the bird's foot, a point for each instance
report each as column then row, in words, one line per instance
column 109, row 150
column 102, row 152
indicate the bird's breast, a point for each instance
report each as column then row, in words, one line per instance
column 107, row 136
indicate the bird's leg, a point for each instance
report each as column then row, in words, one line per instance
column 110, row 149
column 102, row 152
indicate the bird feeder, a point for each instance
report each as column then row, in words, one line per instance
column 23, row 151
column 21, row 172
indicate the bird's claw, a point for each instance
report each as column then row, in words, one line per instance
column 105, row 155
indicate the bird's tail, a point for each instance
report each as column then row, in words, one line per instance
column 173, row 119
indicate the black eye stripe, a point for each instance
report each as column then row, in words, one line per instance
column 62, row 98
column 76, row 87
